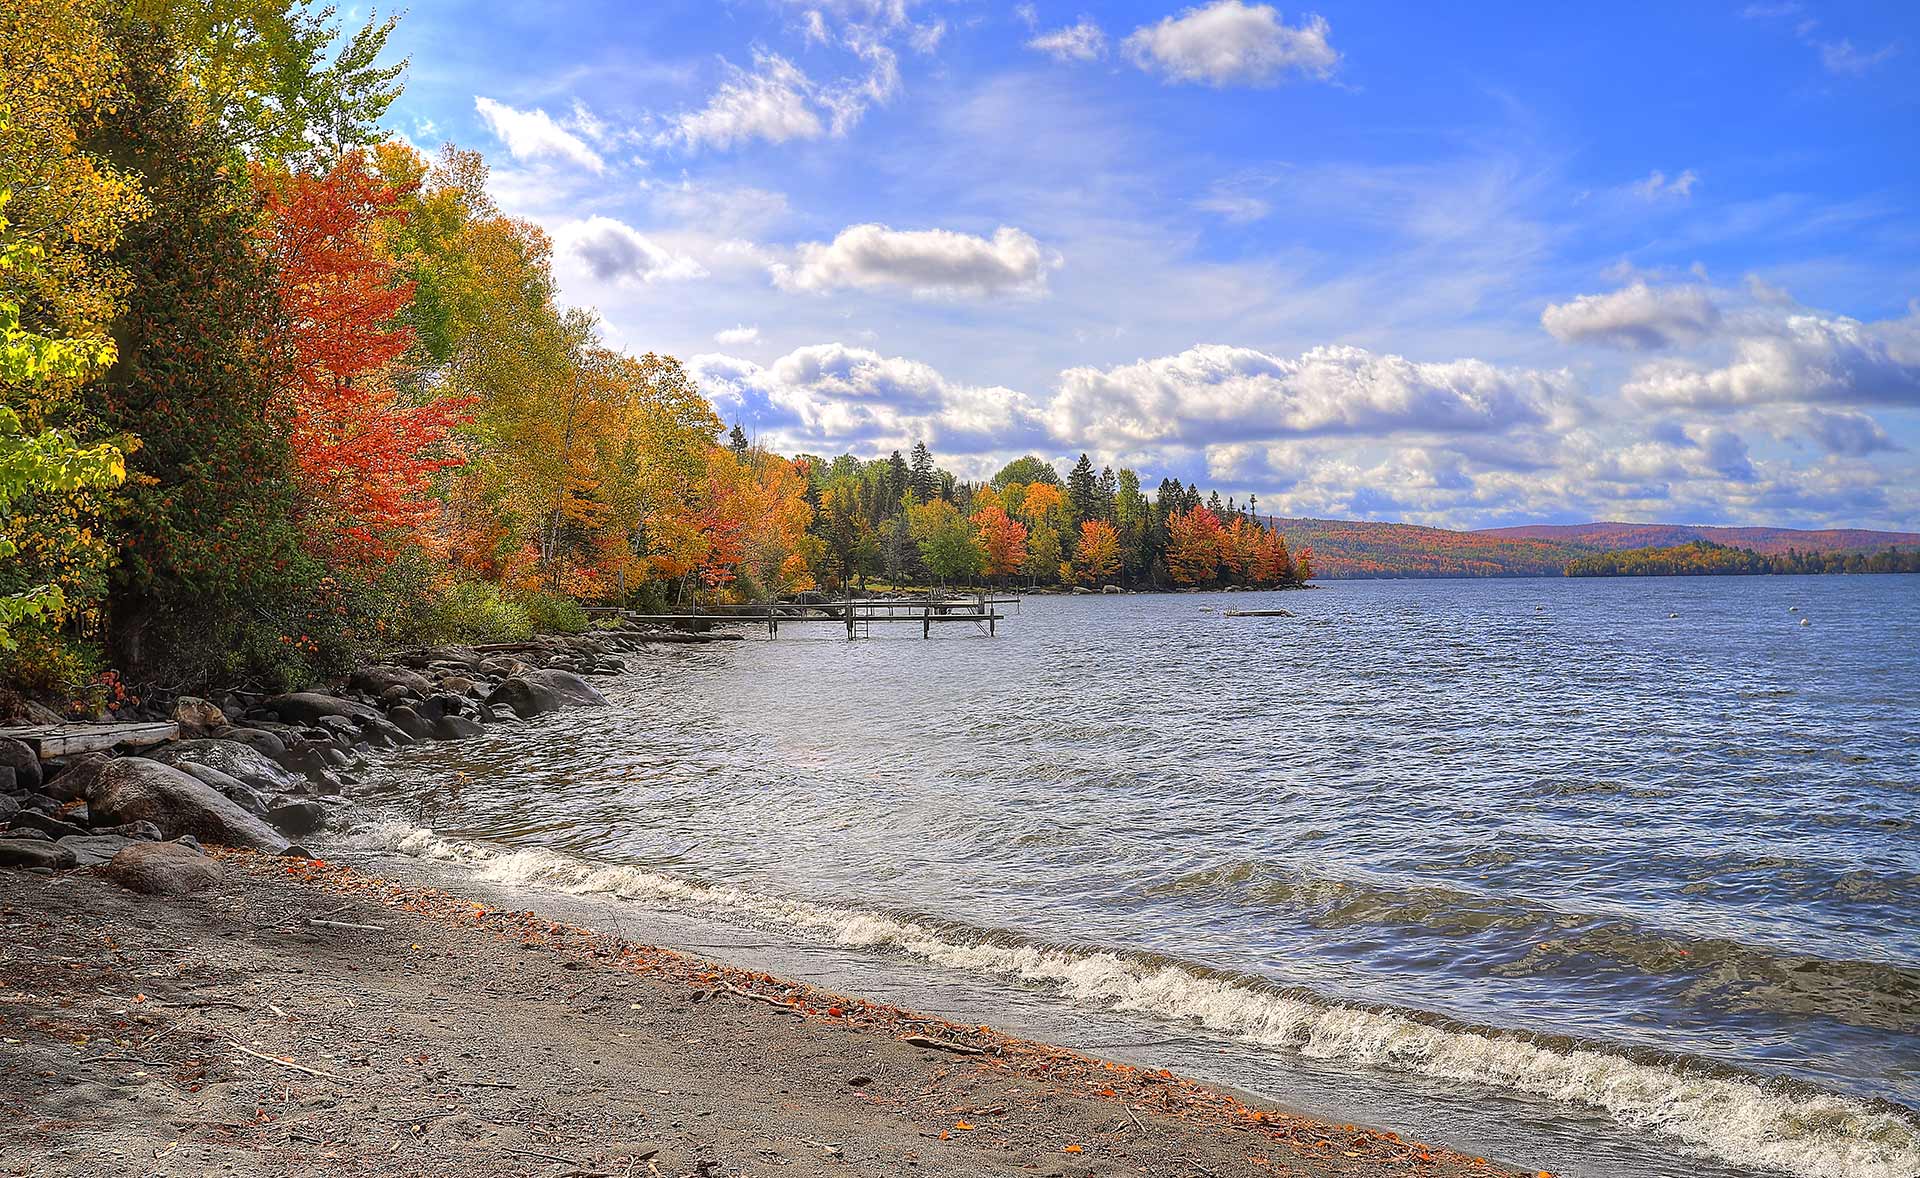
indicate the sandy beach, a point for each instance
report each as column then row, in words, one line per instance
column 304, row 1018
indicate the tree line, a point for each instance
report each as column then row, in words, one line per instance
column 277, row 392
column 904, row 519
column 1702, row 558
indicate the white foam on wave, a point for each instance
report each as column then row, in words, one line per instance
column 1815, row 1136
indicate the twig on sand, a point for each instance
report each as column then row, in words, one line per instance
column 287, row 1063
column 347, row 924
column 776, row 1003
column 942, row 1044
column 1136, row 1120
column 482, row 1084
column 551, row 1157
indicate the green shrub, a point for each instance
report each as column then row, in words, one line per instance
column 468, row 611
column 551, row 613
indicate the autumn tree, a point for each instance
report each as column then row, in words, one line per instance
column 1194, row 542
column 1002, row 538
column 947, row 543
column 1097, row 556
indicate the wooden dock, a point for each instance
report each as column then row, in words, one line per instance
column 61, row 740
column 856, row 614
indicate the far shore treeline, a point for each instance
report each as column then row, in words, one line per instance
column 280, row 393
column 1703, row 558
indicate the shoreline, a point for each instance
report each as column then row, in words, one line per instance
column 302, row 1017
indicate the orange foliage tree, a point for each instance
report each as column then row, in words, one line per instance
column 1195, row 540
column 1098, row 553
column 364, row 458
column 1002, row 538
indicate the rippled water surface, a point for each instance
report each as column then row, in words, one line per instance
column 1625, row 861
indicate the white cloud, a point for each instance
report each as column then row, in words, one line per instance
column 1844, row 432
column 1216, row 393
column 834, row 397
column 925, row 261
column 1806, row 358
column 1230, row 43
column 616, row 252
column 733, row 337
column 1637, row 316
column 1656, row 185
column 1083, row 41
column 1840, row 57
column 1236, row 207
column 532, row 134
column 771, row 103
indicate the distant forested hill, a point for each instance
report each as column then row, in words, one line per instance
column 1607, row 537
column 1354, row 548
column 1703, row 558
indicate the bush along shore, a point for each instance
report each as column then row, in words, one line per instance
column 262, row 772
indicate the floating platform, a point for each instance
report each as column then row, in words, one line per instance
column 1257, row 613
column 61, row 740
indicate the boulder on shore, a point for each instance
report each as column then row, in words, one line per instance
column 23, row 761
column 197, row 717
column 306, row 707
column 378, row 680
column 241, row 761
column 31, row 853
column 545, row 690
column 162, row 869
column 136, row 789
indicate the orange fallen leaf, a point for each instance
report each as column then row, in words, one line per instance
column 962, row 1125
column 1072, row 1149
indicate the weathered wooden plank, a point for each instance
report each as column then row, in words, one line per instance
column 60, row 740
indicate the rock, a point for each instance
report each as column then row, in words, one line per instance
column 305, row 707
column 72, row 779
column 132, row 830
column 379, row 680
column 502, row 667
column 163, row 869
column 1082, row 591
column 381, row 730
column 261, row 741
column 8, row 782
column 398, row 695
column 136, row 789
column 545, row 690
column 91, row 850
column 24, row 762
column 498, row 714
column 461, row 685
column 410, row 722
column 197, row 717
column 1111, row 589
column 25, row 832
column 455, row 728
column 32, row 853
column 46, row 823
column 232, row 788
column 8, row 808
column 297, row 818
column 443, row 703
column 231, row 758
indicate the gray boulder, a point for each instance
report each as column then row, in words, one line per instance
column 305, row 707
column 8, row 808
column 232, row 788
column 72, row 779
column 268, row 744
column 294, row 819
column 410, row 722
column 91, row 850
column 162, row 869
column 30, row 853
column 47, row 824
column 545, row 690
column 136, row 789
column 232, row 758
column 455, row 728
column 378, row 680
column 24, row 762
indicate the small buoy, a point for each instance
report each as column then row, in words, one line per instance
column 1793, row 609
column 1673, row 615
column 1805, row 622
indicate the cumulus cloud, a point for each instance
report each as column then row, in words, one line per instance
column 1656, row 186
column 1083, row 41
column 532, row 135
column 1217, row 393
column 1844, row 432
column 616, row 252
column 1805, row 358
column 831, row 397
column 1637, row 316
column 733, row 337
column 1230, row 43
column 770, row 103
column 925, row 261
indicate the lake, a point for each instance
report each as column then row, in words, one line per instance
column 1608, row 877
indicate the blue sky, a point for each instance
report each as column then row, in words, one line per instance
column 1416, row 262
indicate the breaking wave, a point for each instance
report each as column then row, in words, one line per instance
column 1730, row 1116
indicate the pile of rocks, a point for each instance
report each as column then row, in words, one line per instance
column 281, row 768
